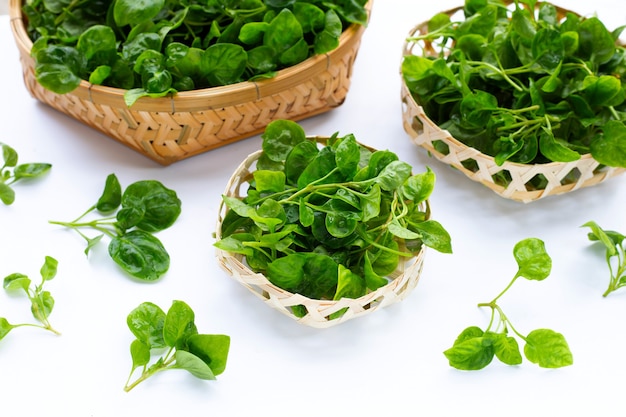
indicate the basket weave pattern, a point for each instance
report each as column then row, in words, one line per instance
column 402, row 282
column 560, row 177
column 174, row 128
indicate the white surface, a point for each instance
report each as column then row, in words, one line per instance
column 388, row 363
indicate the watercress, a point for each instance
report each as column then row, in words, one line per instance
column 41, row 302
column 11, row 172
column 329, row 220
column 203, row 355
column 615, row 254
column 522, row 84
column 130, row 218
column 156, row 47
column 475, row 348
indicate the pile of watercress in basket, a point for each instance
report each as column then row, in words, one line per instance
column 158, row 47
column 523, row 83
column 329, row 219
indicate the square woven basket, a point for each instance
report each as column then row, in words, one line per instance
column 402, row 281
column 560, row 177
column 170, row 129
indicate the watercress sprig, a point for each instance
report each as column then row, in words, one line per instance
column 615, row 254
column 11, row 172
column 41, row 301
column 203, row 355
column 130, row 219
column 474, row 348
column 329, row 220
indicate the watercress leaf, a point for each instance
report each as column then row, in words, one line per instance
column 178, row 319
column 523, row 24
column 91, row 242
column 532, row 259
column 305, row 214
column 269, row 215
column 400, row 231
column 468, row 333
column 269, row 181
column 605, row 90
column 434, row 235
column 420, row 186
column 263, row 60
column 609, row 147
column 134, row 12
column 42, row 305
column 129, row 217
column 547, row 48
column 548, row 349
column 139, row 353
column 31, row 170
column 370, row 203
column 294, row 55
column 16, row 281
column 471, row 354
column 287, row 272
column 59, row 68
column 349, row 284
column 133, row 48
column 161, row 205
column 481, row 23
column 477, row 107
column 212, row 349
column 554, row 149
column 595, row 41
column 310, row 17
column 348, row 156
column 280, row 137
column 234, row 245
column 146, row 323
column 96, row 39
column 9, row 155
column 598, row 234
column 49, row 268
column 193, row 364
column 252, row 32
column 386, row 261
column 297, row 160
column 321, row 170
column 328, row 39
column 393, row 175
column 418, row 74
column 5, row 327
column 111, row 197
column 283, row 32
column 7, row 195
column 341, row 224
column 224, row 63
column 100, row 74
column 506, row 348
column 140, row 254
column 373, row 281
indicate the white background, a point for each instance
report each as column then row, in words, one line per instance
column 387, row 363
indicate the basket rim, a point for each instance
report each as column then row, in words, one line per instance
column 201, row 99
column 405, row 263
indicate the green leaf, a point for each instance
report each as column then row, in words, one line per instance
column 49, row 268
column 280, row 137
column 161, row 205
column 16, row 281
column 419, row 187
column 349, row 284
column 146, row 323
column 609, row 147
column 328, row 39
column 133, row 12
column 139, row 353
column 177, row 322
column 212, row 349
column 548, row 349
column 393, row 175
column 30, row 170
column 42, row 305
column 532, row 259
column 554, row 149
column 111, row 197
column 194, row 365
column 269, row 181
column 597, row 233
column 283, row 32
column 224, row 63
column 9, row 155
column 7, row 195
column 434, row 235
column 470, row 352
column 506, row 348
column 140, row 254
column 5, row 327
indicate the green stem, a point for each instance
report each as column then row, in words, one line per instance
column 147, row 373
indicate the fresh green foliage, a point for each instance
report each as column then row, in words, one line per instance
column 130, row 218
column 175, row 333
column 474, row 348
column 11, row 172
column 615, row 254
column 41, row 302
column 524, row 86
column 156, row 47
column 329, row 220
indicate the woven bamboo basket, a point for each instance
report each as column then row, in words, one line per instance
column 402, row 281
column 560, row 177
column 170, row 129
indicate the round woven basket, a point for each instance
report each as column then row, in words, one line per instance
column 174, row 128
column 403, row 280
column 560, row 177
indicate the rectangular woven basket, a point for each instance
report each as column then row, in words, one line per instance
column 170, row 129
column 560, row 177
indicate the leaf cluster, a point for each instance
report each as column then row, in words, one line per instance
column 522, row 83
column 174, row 333
column 329, row 220
column 130, row 218
column 475, row 348
column 615, row 254
column 158, row 47
column 41, row 302
column 11, row 172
